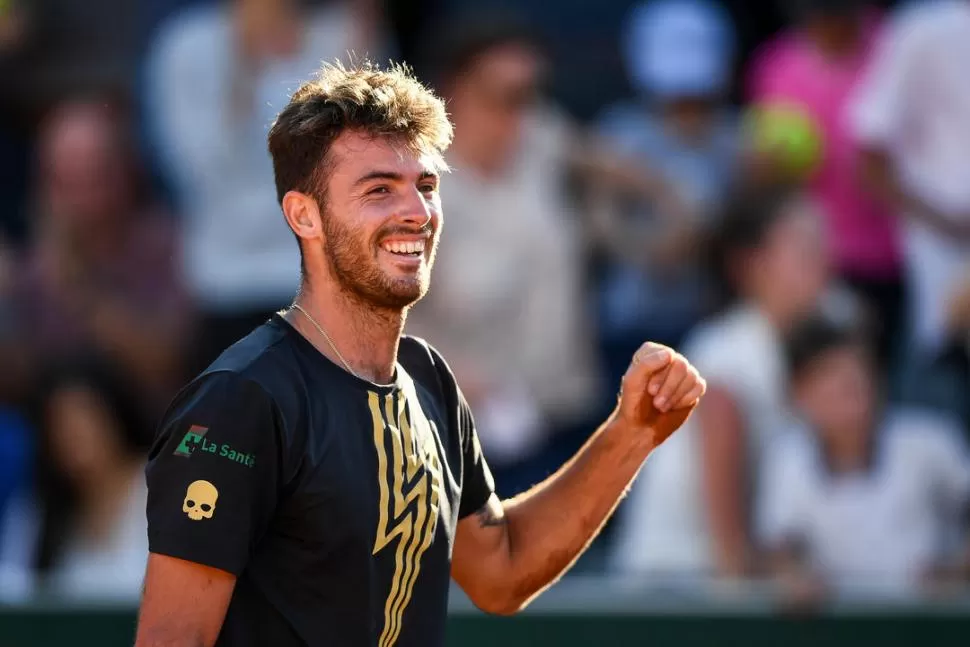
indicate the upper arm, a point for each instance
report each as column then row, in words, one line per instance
column 722, row 438
column 184, row 603
column 213, row 473
column 482, row 549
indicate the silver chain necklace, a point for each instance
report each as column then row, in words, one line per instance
column 323, row 332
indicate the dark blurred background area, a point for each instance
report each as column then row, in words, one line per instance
column 778, row 188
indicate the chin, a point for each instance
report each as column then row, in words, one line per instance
column 398, row 295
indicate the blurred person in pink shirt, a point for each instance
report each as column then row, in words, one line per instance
column 814, row 67
column 99, row 275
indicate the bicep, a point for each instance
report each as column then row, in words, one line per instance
column 482, row 548
column 184, row 603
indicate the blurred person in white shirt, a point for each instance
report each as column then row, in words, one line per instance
column 217, row 75
column 910, row 119
column 509, row 304
column 93, row 537
column 688, row 513
column 862, row 498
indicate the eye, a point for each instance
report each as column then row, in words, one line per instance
column 379, row 190
column 428, row 187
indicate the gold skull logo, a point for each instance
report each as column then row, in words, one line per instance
column 200, row 500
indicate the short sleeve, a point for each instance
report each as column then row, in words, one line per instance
column 213, row 473
column 478, row 485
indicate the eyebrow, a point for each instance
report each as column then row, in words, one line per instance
column 390, row 175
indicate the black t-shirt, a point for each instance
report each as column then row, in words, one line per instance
column 333, row 500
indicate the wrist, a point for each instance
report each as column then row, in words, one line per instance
column 634, row 437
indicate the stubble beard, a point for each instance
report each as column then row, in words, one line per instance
column 358, row 273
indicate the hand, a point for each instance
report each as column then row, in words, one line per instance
column 802, row 593
column 659, row 391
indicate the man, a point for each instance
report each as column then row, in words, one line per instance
column 321, row 480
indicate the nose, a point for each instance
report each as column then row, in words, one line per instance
column 415, row 209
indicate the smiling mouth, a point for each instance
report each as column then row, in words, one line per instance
column 412, row 248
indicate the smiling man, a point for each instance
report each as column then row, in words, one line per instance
column 364, row 487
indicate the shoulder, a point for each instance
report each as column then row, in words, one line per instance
column 624, row 120
column 913, row 27
column 189, row 33
column 256, row 370
column 425, row 364
column 916, row 430
column 726, row 337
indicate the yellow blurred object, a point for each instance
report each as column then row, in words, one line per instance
column 787, row 135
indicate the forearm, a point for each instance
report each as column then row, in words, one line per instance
column 550, row 525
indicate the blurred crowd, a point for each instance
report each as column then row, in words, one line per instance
column 779, row 189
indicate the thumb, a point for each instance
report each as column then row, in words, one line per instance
column 651, row 358
column 648, row 360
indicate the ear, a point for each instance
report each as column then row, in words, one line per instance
column 302, row 214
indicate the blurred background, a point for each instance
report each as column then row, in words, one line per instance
column 778, row 188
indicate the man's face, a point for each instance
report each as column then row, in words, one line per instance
column 381, row 220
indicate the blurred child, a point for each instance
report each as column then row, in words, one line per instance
column 688, row 511
column 863, row 498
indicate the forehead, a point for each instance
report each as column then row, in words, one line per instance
column 513, row 62
column 354, row 154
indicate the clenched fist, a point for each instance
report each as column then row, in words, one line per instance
column 659, row 391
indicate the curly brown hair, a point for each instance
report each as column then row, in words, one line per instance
column 383, row 103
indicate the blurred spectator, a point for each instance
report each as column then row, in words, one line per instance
column 508, row 302
column 217, row 76
column 16, row 529
column 688, row 511
column 98, row 276
column 911, row 120
column 942, row 381
column 66, row 46
column 13, row 140
column 94, row 536
column 679, row 56
column 862, row 499
column 507, row 299
column 813, row 68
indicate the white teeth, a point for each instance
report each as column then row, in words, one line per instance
column 402, row 247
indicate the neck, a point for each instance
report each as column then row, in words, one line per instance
column 365, row 337
column 779, row 312
column 847, row 451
